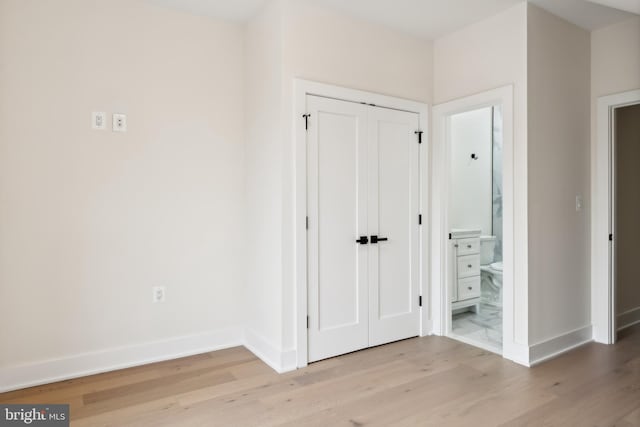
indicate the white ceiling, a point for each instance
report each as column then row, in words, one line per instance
column 425, row 18
column 632, row 6
column 585, row 14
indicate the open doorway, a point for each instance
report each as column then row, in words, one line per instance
column 616, row 207
column 475, row 220
column 626, row 211
column 472, row 229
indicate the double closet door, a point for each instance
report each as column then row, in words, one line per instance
column 363, row 236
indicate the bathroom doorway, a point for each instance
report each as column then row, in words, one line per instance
column 472, row 228
column 475, row 221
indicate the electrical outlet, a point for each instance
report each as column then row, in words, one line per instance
column 98, row 120
column 158, row 294
column 119, row 122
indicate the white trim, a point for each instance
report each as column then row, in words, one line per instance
column 556, row 346
column 302, row 88
column 97, row 362
column 279, row 361
column 602, row 285
column 628, row 319
column 440, row 249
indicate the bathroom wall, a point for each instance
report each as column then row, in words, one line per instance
column 471, row 180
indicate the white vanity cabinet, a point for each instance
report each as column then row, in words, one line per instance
column 465, row 286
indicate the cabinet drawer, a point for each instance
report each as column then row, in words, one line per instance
column 468, row 288
column 468, row 246
column 468, row 266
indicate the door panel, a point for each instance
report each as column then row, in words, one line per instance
column 363, row 180
column 337, row 197
column 394, row 196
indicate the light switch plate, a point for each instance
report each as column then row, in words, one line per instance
column 98, row 120
column 119, row 122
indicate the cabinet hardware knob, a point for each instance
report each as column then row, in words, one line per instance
column 469, row 265
column 469, row 246
column 470, row 288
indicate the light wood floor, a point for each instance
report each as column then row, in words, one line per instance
column 424, row 381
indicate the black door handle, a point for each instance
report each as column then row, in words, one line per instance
column 363, row 240
column 376, row 239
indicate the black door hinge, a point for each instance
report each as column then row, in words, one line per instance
column 611, row 237
column 306, row 121
column 420, row 219
column 450, row 237
column 419, row 133
column 420, row 301
column 307, row 322
column 307, row 223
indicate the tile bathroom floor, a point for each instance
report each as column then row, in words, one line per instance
column 484, row 326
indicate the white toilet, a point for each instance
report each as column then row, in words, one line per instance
column 490, row 272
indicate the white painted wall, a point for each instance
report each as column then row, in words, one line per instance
column 289, row 39
column 323, row 45
column 201, row 188
column 484, row 56
column 472, row 180
column 91, row 220
column 615, row 60
column 263, row 175
column 558, row 142
column 615, row 68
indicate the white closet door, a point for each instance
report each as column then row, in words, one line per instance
column 337, row 209
column 394, row 196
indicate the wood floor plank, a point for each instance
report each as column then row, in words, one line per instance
column 423, row 381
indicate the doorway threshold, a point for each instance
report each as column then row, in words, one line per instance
column 476, row 343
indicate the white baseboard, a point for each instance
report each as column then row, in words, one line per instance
column 553, row 347
column 628, row 318
column 80, row 365
column 427, row 328
column 280, row 361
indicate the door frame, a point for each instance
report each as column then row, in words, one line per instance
column 441, row 255
column 302, row 88
column 603, row 313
